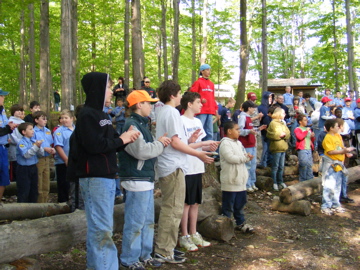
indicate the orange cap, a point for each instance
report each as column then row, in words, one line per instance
column 138, row 96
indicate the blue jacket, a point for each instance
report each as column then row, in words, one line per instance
column 43, row 135
column 27, row 152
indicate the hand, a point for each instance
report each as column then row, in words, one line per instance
column 262, row 127
column 308, row 129
column 203, row 100
column 312, row 134
column 252, row 131
column 38, row 143
column 349, row 155
column 121, row 89
column 164, row 140
column 282, row 135
column 260, row 115
column 194, row 136
column 250, row 156
column 350, row 149
column 203, row 156
column 12, row 125
column 213, row 145
column 130, row 135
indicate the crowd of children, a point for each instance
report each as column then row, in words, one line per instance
column 157, row 142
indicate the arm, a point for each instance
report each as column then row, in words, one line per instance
column 61, row 153
column 5, row 130
column 299, row 134
column 241, row 123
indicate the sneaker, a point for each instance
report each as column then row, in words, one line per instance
column 185, row 242
column 179, row 253
column 169, row 259
column 199, row 241
column 339, row 209
column 276, row 187
column 283, row 185
column 255, row 188
column 250, row 190
column 346, row 200
column 135, row 266
column 327, row 211
column 245, row 228
column 151, row 262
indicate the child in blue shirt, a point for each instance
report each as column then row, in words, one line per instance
column 62, row 146
column 42, row 133
column 108, row 110
column 27, row 152
column 119, row 113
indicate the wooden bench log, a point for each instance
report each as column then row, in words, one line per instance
column 11, row 190
column 301, row 207
column 217, row 227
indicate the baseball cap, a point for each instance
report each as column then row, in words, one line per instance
column 358, row 100
column 347, row 99
column 3, row 93
column 251, row 96
column 325, row 99
column 204, row 66
column 138, row 96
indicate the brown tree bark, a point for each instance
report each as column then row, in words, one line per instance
column 301, row 207
column 22, row 75
column 176, row 45
column 127, row 43
column 193, row 42
column 217, row 227
column 264, row 50
column 137, row 45
column 164, row 39
column 204, row 46
column 34, row 95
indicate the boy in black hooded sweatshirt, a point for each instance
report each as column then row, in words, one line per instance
column 96, row 146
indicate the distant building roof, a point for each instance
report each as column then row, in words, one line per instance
column 224, row 91
column 303, row 84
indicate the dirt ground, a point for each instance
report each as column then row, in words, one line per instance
column 281, row 241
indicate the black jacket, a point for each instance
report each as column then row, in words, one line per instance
column 120, row 94
column 96, row 139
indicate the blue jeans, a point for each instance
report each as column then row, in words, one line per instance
column 251, row 166
column 265, row 153
column 206, row 120
column 56, row 107
column 344, row 181
column 305, row 165
column 332, row 189
column 99, row 194
column 119, row 127
column 138, row 233
column 233, row 203
column 317, row 132
column 277, row 167
column 293, row 138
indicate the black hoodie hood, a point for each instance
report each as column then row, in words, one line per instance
column 95, row 85
column 265, row 98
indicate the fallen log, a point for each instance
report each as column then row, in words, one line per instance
column 16, row 211
column 217, row 227
column 11, row 190
column 288, row 170
column 312, row 186
column 301, row 207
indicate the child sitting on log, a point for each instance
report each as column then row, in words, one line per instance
column 234, row 175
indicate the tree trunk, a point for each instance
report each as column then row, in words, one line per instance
column 127, row 43
column 16, row 211
column 350, row 50
column 164, row 39
column 193, row 42
column 336, row 68
column 67, row 85
column 244, row 54
column 217, row 227
column 176, row 45
column 33, row 85
column 302, row 207
column 74, row 59
column 22, row 76
column 158, row 52
column 137, row 45
column 45, row 91
column 264, row 47
column 204, row 34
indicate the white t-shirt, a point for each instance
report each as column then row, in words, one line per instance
column 169, row 121
column 195, row 165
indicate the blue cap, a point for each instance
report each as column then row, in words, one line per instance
column 3, row 93
column 204, row 66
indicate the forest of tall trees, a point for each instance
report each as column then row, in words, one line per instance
column 48, row 45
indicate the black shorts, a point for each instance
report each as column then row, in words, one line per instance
column 193, row 189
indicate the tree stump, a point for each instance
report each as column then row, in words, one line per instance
column 301, row 207
column 217, row 227
column 300, row 190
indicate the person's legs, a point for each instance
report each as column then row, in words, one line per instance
column 62, row 184
column 305, row 165
column 41, row 166
column 22, row 184
column 280, row 170
column 4, row 170
column 227, row 206
column 275, row 166
column 206, row 120
column 193, row 215
column 138, row 228
column 173, row 197
column 184, row 221
column 99, row 195
column 329, row 187
column 264, row 155
column 240, row 201
column 251, row 165
column 344, row 181
column 34, row 190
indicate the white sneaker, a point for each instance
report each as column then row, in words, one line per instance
column 255, row 188
column 276, row 187
column 187, row 243
column 283, row 185
column 338, row 209
column 250, row 190
column 199, row 241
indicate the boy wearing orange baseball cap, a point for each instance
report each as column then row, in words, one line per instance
column 137, row 176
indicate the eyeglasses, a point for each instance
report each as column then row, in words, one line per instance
column 147, row 82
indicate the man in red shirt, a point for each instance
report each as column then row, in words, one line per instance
column 206, row 89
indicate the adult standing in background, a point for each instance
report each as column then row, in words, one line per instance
column 288, row 97
column 57, row 100
column 121, row 90
column 147, row 88
column 206, row 89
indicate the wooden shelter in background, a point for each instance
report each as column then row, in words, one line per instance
column 277, row 86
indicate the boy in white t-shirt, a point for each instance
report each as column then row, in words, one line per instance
column 172, row 164
column 190, row 239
